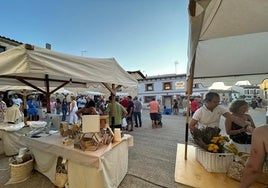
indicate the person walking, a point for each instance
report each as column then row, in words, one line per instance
column 154, row 110
column 137, row 112
column 175, row 107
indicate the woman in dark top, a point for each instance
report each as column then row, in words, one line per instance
column 64, row 109
column 89, row 109
column 240, row 135
column 58, row 106
column 175, row 107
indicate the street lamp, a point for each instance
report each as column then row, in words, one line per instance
column 82, row 52
column 176, row 64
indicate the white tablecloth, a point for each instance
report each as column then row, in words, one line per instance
column 11, row 140
column 105, row 167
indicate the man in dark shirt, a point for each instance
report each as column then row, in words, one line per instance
column 130, row 108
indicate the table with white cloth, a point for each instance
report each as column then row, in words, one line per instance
column 11, row 140
column 105, row 167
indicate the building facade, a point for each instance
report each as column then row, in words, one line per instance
column 166, row 88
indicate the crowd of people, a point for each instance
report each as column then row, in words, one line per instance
column 71, row 110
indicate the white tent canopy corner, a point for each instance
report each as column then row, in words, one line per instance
column 228, row 40
column 227, row 43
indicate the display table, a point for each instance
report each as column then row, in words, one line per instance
column 105, row 167
column 190, row 172
column 11, row 140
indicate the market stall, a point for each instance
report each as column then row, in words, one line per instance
column 227, row 42
column 47, row 71
column 105, row 167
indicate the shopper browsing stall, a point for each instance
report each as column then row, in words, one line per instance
column 240, row 135
column 88, row 109
column 210, row 113
column 13, row 114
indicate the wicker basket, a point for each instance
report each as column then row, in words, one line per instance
column 20, row 172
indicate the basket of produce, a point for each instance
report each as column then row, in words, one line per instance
column 209, row 139
column 210, row 152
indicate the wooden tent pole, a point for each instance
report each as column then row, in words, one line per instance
column 189, row 92
column 190, row 79
column 47, row 93
column 113, row 107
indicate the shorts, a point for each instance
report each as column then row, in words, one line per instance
column 129, row 119
column 154, row 116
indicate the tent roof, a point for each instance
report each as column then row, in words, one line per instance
column 35, row 64
column 228, row 40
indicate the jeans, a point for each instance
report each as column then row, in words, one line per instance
column 137, row 117
column 64, row 113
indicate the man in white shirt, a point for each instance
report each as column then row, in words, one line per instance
column 16, row 100
column 210, row 113
column 81, row 102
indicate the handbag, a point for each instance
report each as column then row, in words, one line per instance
column 235, row 170
column 124, row 122
column 60, row 177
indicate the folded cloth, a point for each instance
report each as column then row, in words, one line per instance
column 12, row 127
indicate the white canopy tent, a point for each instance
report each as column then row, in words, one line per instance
column 219, row 86
column 35, row 62
column 227, row 43
column 39, row 67
column 90, row 93
column 228, row 40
